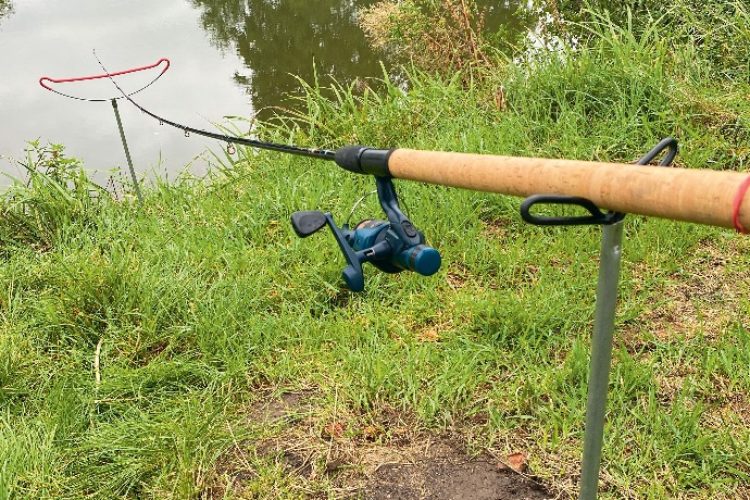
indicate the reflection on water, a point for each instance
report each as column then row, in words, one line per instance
column 276, row 38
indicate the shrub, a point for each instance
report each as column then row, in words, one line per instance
column 441, row 35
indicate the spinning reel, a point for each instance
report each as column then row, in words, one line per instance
column 392, row 246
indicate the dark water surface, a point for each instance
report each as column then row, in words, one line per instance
column 228, row 58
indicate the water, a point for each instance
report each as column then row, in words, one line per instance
column 228, row 58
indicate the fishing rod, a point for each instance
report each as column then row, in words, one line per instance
column 701, row 196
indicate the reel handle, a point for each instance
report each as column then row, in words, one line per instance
column 310, row 222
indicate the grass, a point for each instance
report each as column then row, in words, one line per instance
column 205, row 307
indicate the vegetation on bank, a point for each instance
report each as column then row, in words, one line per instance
column 140, row 348
column 6, row 7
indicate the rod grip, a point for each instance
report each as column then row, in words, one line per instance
column 692, row 195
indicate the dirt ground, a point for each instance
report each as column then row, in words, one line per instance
column 450, row 477
column 409, row 464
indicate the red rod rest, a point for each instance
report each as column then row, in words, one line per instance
column 44, row 79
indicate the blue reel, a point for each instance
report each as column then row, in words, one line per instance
column 392, row 246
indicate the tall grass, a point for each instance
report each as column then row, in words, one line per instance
column 55, row 194
column 204, row 303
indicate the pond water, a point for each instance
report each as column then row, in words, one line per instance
column 229, row 58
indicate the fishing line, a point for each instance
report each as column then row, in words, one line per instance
column 323, row 154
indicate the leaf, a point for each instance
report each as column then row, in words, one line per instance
column 430, row 335
column 333, row 430
column 515, row 461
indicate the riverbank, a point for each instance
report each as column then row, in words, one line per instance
column 197, row 347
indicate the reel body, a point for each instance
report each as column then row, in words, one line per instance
column 392, row 245
column 420, row 259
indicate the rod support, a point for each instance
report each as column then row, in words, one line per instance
column 601, row 357
column 134, row 178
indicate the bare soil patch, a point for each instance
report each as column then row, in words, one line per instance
column 446, row 473
column 268, row 411
column 353, row 457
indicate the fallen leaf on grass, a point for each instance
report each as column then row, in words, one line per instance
column 514, row 461
column 333, row 430
column 430, row 335
column 371, row 432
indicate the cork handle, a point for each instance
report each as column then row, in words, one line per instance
column 701, row 196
